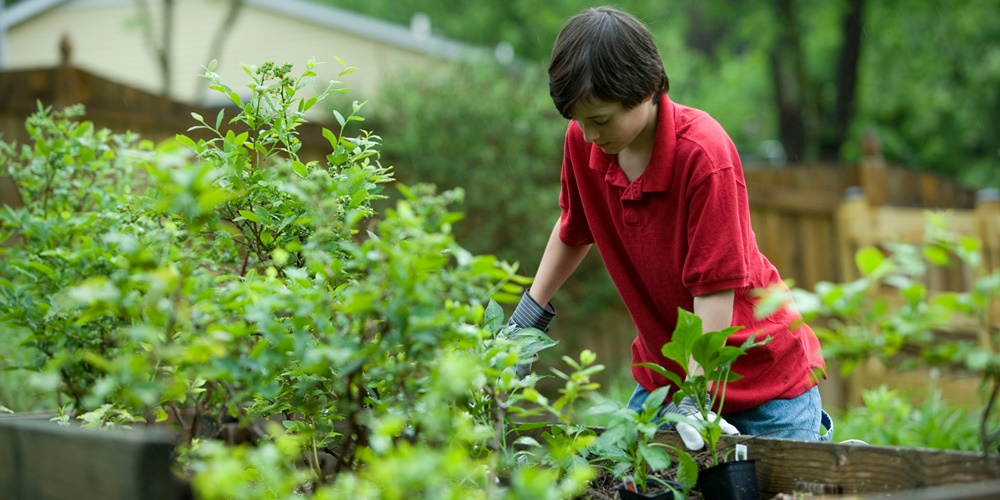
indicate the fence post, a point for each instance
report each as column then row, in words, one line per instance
column 988, row 219
column 66, row 87
column 852, row 217
column 873, row 171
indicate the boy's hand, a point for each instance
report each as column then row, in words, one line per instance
column 689, row 433
column 529, row 314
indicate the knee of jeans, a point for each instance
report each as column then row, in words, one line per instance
column 638, row 397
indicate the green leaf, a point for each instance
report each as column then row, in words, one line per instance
column 655, row 399
column 493, row 317
column 868, row 259
column 673, row 377
column 300, row 168
column 656, row 456
column 687, row 470
column 186, row 141
column 331, row 137
column 532, row 340
column 250, row 216
column 936, row 255
column 527, row 441
column 530, row 426
column 235, row 98
column 44, row 269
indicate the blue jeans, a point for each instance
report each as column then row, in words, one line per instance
column 801, row 417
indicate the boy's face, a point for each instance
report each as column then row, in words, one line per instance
column 612, row 127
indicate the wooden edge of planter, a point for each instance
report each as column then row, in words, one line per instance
column 43, row 460
column 986, row 490
column 833, row 470
column 786, row 466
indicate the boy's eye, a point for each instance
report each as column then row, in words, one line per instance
column 602, row 122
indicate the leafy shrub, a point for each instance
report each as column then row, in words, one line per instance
column 73, row 180
column 887, row 417
column 233, row 284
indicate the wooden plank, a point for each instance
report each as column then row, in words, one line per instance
column 784, row 465
column 875, row 180
column 818, row 251
column 988, row 219
column 987, row 490
column 40, row 460
column 9, row 197
column 793, row 199
column 852, row 221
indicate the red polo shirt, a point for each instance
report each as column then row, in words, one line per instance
column 682, row 229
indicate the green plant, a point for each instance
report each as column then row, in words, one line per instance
column 73, row 179
column 888, row 417
column 707, row 388
column 566, row 441
column 627, row 446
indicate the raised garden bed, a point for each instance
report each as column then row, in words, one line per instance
column 41, row 460
column 862, row 471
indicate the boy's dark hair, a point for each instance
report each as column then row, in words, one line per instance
column 605, row 53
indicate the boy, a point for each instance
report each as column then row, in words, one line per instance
column 659, row 188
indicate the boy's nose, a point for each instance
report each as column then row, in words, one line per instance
column 589, row 135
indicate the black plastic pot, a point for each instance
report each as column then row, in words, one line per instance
column 729, row 481
column 666, row 494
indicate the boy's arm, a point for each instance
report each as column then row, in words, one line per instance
column 534, row 310
column 558, row 263
column 716, row 312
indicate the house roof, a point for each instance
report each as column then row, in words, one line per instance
column 323, row 15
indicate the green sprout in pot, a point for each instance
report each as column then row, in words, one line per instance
column 627, row 447
column 707, row 389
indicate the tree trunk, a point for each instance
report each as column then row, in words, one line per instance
column 166, row 46
column 221, row 34
column 789, row 83
column 845, row 81
column 161, row 49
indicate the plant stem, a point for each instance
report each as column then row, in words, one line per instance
column 985, row 437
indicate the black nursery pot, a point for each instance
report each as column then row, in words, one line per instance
column 666, row 494
column 729, row 481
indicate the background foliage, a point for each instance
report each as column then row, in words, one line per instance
column 932, row 98
column 486, row 129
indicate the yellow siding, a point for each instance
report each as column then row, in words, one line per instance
column 107, row 41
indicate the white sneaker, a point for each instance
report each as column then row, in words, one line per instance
column 854, row 441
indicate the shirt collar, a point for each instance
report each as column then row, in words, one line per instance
column 657, row 175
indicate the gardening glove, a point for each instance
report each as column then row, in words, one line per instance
column 528, row 314
column 689, row 433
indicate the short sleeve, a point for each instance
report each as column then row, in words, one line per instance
column 717, row 241
column 574, row 229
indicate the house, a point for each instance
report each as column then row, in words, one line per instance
column 107, row 38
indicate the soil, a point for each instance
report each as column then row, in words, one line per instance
column 603, row 487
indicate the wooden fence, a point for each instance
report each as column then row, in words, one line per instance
column 795, row 211
column 810, row 221
column 116, row 107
